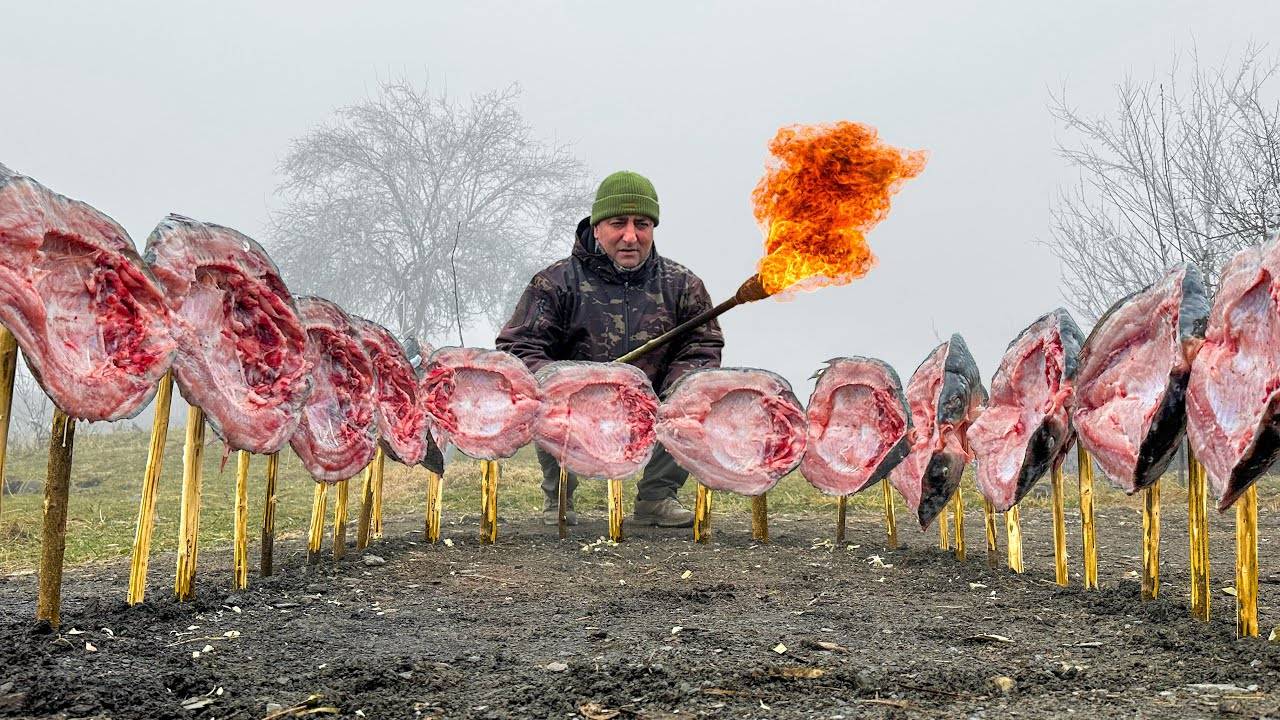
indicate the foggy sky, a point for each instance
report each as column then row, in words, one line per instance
column 142, row 109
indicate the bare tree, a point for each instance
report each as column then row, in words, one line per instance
column 32, row 412
column 1185, row 169
column 381, row 205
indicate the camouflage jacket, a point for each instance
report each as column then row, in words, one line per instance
column 586, row 308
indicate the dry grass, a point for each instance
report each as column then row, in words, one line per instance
column 107, row 476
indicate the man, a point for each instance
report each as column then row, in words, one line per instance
column 610, row 296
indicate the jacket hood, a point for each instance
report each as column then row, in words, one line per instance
column 589, row 252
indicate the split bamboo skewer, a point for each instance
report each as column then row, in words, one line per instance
column 1198, row 535
column 1151, row 542
column 1059, row 529
column 1087, row 528
column 562, row 504
column 8, row 366
column 1247, row 563
column 841, row 510
column 340, row 521
column 435, row 497
column 890, row 521
column 958, row 505
column 150, row 482
column 760, row 518
column 379, row 460
column 269, row 516
column 189, row 514
column 366, row 508
column 1013, row 535
column 53, row 533
column 944, row 527
column 989, row 515
column 615, row 510
column 488, row 502
column 240, row 539
column 702, row 515
column 315, row 532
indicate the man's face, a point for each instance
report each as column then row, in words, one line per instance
column 626, row 239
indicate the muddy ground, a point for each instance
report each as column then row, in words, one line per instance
column 655, row 627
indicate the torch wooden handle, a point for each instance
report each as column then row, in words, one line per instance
column 749, row 291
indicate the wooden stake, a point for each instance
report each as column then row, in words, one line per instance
column 702, row 515
column 189, row 513
column 890, row 521
column 944, row 528
column 53, row 535
column 435, row 496
column 366, row 508
column 1198, row 535
column 240, row 535
column 958, row 521
column 150, row 482
column 1087, row 528
column 1059, row 529
column 842, row 503
column 489, row 473
column 562, row 504
column 993, row 552
column 760, row 518
column 1151, row 542
column 8, row 366
column 1247, row 563
column 615, row 510
column 340, row 521
column 269, row 516
column 1013, row 536
column 379, row 460
column 315, row 533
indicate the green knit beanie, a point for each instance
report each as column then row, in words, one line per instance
column 625, row 193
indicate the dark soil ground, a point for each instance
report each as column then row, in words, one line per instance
column 654, row 627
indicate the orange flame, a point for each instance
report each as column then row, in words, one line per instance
column 827, row 186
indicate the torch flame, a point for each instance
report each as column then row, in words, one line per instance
column 827, row 186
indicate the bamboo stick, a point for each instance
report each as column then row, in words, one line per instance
column 890, row 521
column 1151, row 542
column 189, row 514
column 1087, row 528
column 615, row 510
column 958, row 505
column 340, row 521
column 150, row 482
column 1198, row 535
column 315, row 532
column 488, row 502
column 989, row 515
column 53, row 534
column 8, row 366
column 944, row 527
column 1247, row 563
column 702, row 515
column 269, row 516
column 435, row 496
column 366, row 508
column 842, row 503
column 562, row 504
column 240, row 536
column 760, row 518
column 1013, row 536
column 1059, row 529
column 379, row 460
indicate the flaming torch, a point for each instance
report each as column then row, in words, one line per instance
column 824, row 189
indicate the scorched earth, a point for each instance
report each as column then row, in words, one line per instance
column 655, row 627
